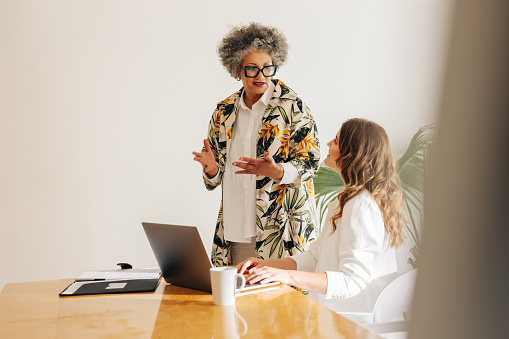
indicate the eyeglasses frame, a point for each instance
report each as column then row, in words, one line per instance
column 260, row 70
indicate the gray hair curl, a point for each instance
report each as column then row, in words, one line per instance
column 242, row 39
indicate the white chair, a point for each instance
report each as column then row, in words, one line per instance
column 392, row 307
column 396, row 298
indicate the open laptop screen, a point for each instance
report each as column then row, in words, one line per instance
column 180, row 254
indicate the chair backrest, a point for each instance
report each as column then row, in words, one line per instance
column 395, row 298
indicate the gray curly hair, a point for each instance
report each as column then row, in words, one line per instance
column 243, row 39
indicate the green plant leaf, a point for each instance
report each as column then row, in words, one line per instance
column 327, row 181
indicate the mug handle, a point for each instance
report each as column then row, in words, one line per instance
column 243, row 283
column 238, row 319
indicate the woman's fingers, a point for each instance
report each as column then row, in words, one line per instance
column 242, row 165
column 247, row 167
column 200, row 157
column 265, row 166
column 206, row 155
column 253, row 278
column 247, row 264
column 206, row 158
column 244, row 162
column 206, row 145
column 243, row 266
column 262, row 275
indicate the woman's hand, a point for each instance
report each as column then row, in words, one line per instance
column 207, row 160
column 266, row 274
column 259, row 272
column 266, row 167
column 248, row 264
column 284, row 271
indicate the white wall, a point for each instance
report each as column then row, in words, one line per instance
column 102, row 103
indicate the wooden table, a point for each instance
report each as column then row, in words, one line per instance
column 34, row 310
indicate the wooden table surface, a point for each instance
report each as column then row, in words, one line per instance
column 34, row 310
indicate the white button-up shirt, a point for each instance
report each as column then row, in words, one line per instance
column 239, row 190
column 355, row 254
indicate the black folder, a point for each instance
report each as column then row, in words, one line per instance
column 110, row 287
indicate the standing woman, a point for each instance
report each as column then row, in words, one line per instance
column 364, row 224
column 262, row 148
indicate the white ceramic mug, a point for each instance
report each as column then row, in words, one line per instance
column 226, row 284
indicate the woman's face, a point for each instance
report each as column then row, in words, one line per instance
column 255, row 87
column 333, row 155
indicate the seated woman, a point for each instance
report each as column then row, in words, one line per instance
column 364, row 224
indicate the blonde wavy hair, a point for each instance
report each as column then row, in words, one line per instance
column 366, row 162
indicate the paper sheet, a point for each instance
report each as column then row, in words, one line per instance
column 150, row 273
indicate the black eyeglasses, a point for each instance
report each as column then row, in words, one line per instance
column 252, row 71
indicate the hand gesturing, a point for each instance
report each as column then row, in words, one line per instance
column 266, row 167
column 207, row 160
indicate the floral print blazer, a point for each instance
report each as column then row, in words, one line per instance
column 285, row 214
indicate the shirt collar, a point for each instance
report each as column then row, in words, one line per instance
column 264, row 99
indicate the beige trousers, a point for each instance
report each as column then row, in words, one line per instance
column 240, row 251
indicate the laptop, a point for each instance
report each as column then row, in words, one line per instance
column 180, row 254
column 183, row 260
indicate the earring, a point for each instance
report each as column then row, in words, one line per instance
column 238, row 79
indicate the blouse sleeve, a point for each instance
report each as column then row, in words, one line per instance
column 361, row 242
column 304, row 145
column 290, row 174
column 212, row 138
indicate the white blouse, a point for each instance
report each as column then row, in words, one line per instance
column 355, row 254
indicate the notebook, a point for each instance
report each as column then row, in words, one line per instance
column 114, row 281
column 110, row 287
column 183, row 260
